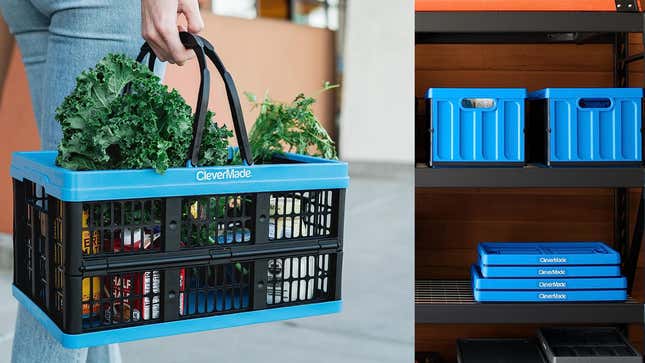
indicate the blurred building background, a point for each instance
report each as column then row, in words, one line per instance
column 287, row 47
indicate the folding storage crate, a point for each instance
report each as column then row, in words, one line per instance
column 476, row 127
column 118, row 255
column 587, row 345
column 585, row 126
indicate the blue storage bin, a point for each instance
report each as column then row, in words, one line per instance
column 479, row 127
column 570, row 126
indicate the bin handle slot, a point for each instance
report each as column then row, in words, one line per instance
column 595, row 103
column 478, row 103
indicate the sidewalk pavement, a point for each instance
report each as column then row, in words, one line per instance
column 376, row 324
column 6, row 248
column 7, row 316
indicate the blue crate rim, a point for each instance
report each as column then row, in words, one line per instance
column 310, row 173
column 579, row 93
column 122, row 335
column 461, row 93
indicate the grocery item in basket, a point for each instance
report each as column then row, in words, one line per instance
column 125, row 295
column 182, row 288
column 136, row 239
column 210, row 213
column 151, row 282
column 214, row 289
column 91, row 291
column 285, row 221
column 90, row 243
column 290, row 279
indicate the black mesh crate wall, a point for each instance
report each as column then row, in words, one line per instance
column 244, row 223
column 124, row 297
column 102, row 265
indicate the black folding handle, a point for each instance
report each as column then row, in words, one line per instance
column 203, row 48
column 233, row 102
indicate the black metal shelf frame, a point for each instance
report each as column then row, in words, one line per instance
column 552, row 28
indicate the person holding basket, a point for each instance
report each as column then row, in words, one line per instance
column 58, row 39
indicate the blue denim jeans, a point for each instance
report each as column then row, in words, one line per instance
column 58, row 39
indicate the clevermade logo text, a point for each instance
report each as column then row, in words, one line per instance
column 552, row 272
column 553, row 296
column 553, row 260
column 552, row 285
column 228, row 174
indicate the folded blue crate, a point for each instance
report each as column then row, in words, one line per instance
column 571, row 126
column 577, row 283
column 550, row 296
column 549, row 271
column 476, row 126
column 547, row 253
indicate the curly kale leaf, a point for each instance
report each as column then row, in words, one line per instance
column 149, row 126
column 214, row 147
column 292, row 127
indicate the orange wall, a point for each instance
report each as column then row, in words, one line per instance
column 280, row 57
column 6, row 45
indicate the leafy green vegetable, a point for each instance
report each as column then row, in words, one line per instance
column 105, row 127
column 209, row 215
column 292, row 127
column 214, row 147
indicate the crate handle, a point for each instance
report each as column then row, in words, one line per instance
column 598, row 103
column 478, row 103
column 203, row 48
column 233, row 102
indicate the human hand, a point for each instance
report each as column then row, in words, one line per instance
column 159, row 27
